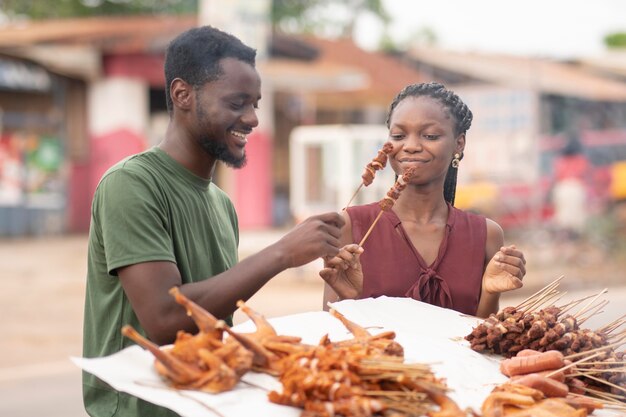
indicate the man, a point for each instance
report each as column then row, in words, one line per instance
column 158, row 221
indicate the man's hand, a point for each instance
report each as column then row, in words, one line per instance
column 343, row 272
column 316, row 237
column 505, row 271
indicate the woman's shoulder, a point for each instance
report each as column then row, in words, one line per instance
column 472, row 217
column 492, row 229
column 364, row 210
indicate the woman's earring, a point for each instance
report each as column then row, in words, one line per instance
column 456, row 160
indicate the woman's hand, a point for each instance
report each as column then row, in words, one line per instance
column 343, row 272
column 505, row 271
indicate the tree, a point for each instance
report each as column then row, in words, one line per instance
column 45, row 9
column 334, row 17
column 615, row 40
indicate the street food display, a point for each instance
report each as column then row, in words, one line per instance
column 546, row 349
column 324, row 364
column 361, row 376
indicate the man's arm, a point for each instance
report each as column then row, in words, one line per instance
column 147, row 284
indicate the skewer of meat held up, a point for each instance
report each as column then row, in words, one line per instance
column 392, row 195
column 376, row 164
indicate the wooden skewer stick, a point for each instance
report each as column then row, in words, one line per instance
column 586, row 307
column 606, row 395
column 592, row 371
column 604, row 381
column 547, row 288
column 611, row 400
column 353, row 196
column 541, row 301
column 548, row 299
column 617, row 336
column 371, row 228
column 604, row 363
column 566, row 307
column 608, row 328
column 595, row 311
column 571, row 365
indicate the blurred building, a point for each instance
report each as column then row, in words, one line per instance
column 526, row 110
column 110, row 103
column 104, row 94
column 42, row 119
column 78, row 95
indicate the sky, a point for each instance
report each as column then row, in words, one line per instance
column 559, row 28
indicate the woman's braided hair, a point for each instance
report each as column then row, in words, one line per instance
column 460, row 112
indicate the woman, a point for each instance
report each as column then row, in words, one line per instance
column 424, row 247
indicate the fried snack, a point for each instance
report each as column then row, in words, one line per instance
column 201, row 361
column 512, row 400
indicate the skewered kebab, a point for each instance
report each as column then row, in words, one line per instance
column 389, row 200
column 379, row 162
column 363, row 376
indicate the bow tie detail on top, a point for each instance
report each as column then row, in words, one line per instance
column 432, row 289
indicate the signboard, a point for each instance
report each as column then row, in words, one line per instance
column 17, row 75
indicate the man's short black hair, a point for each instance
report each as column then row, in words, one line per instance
column 194, row 56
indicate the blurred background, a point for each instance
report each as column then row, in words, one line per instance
column 81, row 86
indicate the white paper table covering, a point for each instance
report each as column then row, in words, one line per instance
column 428, row 334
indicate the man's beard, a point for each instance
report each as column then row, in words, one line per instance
column 220, row 152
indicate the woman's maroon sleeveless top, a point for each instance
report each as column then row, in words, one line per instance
column 393, row 267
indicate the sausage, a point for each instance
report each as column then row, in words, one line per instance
column 552, row 359
column 548, row 386
column 504, row 367
column 527, row 352
column 558, row 376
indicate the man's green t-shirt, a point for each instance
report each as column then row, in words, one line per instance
column 147, row 208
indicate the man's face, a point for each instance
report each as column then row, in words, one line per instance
column 226, row 112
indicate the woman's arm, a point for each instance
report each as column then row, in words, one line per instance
column 504, row 270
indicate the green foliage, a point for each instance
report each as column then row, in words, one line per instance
column 336, row 17
column 307, row 16
column 58, row 9
column 615, row 40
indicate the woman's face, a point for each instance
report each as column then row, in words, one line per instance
column 422, row 132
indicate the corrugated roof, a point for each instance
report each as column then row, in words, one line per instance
column 109, row 34
column 386, row 75
column 612, row 62
column 525, row 72
column 312, row 76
